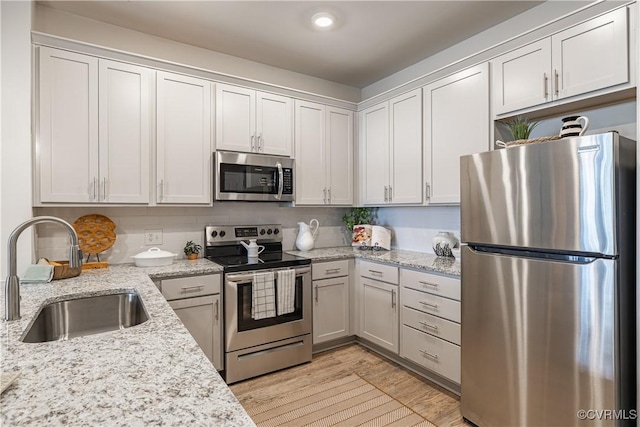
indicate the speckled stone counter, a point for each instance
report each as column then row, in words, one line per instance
column 181, row 268
column 150, row 374
column 400, row 258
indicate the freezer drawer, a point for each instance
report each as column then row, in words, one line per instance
column 540, row 340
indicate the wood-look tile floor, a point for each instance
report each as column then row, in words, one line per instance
column 434, row 403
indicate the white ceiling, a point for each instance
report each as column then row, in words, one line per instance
column 372, row 39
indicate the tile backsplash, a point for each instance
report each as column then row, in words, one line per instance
column 413, row 228
column 179, row 224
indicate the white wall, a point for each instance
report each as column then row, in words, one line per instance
column 181, row 224
column 63, row 24
column 15, row 145
column 538, row 22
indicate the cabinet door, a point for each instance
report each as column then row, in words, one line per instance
column 522, row 78
column 125, row 122
column 379, row 311
column 406, row 148
column 339, row 168
column 235, row 119
column 274, row 121
column 310, row 154
column 201, row 317
column 591, row 56
column 374, row 145
column 330, row 309
column 67, row 127
column 456, row 123
column 183, row 139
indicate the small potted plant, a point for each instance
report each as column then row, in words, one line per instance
column 521, row 127
column 191, row 250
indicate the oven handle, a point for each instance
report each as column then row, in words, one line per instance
column 247, row 277
column 280, row 181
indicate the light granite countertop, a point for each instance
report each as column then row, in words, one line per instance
column 397, row 257
column 150, row 374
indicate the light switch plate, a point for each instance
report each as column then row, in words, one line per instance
column 152, row 237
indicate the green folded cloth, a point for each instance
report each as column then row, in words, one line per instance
column 37, row 274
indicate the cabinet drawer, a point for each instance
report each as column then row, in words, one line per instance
column 431, row 304
column 437, row 285
column 327, row 270
column 432, row 325
column 382, row 272
column 433, row 353
column 187, row 287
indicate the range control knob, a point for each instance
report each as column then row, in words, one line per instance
column 262, row 232
column 269, row 231
column 214, row 233
column 276, row 231
column 222, row 233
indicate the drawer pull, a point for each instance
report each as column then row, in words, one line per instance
column 217, row 309
column 428, row 304
column 426, row 325
column 192, row 288
column 332, row 270
column 375, row 272
column 393, row 298
column 316, row 298
column 434, row 285
column 431, row 355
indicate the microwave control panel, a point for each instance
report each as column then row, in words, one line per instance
column 287, row 181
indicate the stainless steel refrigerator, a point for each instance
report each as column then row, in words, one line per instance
column 548, row 283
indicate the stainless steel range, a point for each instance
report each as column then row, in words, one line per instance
column 259, row 341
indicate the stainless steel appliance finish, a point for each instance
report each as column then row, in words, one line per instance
column 77, row 317
column 548, row 283
column 255, row 347
column 269, row 344
column 253, row 177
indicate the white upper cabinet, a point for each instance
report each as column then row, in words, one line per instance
column 584, row 58
column 324, row 154
column 93, row 126
column 253, row 122
column 391, row 150
column 456, row 123
column 125, row 128
column 184, row 146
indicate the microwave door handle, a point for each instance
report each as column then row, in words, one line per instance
column 280, row 181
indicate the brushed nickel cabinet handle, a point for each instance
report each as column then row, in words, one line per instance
column 253, row 137
column 434, row 285
column 390, row 193
column 161, row 190
column 332, row 270
column 104, row 189
column 428, row 190
column 94, row 189
column 386, row 193
column 426, row 325
column 316, row 297
column 375, row 272
column 329, row 195
column 428, row 304
column 431, row 355
column 393, row 298
column 324, row 195
column 545, row 82
column 217, row 309
column 556, row 82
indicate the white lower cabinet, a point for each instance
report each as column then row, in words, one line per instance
column 197, row 302
column 379, row 312
column 331, row 288
column 430, row 322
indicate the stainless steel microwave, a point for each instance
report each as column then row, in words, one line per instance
column 253, row 177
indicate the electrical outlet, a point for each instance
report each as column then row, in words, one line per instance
column 152, row 237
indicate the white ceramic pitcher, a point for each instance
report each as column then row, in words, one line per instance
column 253, row 248
column 306, row 237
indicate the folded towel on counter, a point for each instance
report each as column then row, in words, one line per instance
column 286, row 286
column 263, row 301
column 37, row 274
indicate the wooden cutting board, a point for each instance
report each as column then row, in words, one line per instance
column 96, row 234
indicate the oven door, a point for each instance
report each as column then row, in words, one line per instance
column 253, row 177
column 242, row 331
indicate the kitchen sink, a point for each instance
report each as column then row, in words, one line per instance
column 77, row 317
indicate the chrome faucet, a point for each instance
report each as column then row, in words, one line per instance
column 12, row 284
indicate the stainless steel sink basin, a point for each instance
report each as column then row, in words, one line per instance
column 72, row 318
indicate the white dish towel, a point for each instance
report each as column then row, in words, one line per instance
column 263, row 304
column 286, row 291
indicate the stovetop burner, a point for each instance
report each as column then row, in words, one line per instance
column 223, row 247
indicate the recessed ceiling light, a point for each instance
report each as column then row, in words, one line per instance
column 323, row 20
